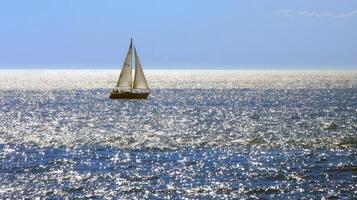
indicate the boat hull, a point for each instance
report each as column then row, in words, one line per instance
column 128, row 95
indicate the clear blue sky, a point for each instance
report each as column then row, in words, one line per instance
column 242, row 34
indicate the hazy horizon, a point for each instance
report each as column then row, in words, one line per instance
column 244, row 68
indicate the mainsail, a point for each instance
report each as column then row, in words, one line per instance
column 139, row 80
column 125, row 78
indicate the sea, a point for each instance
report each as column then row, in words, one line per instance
column 201, row 134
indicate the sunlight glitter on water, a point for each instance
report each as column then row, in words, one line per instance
column 204, row 134
column 176, row 79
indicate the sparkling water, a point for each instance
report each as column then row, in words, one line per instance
column 200, row 134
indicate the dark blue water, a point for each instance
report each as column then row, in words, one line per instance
column 194, row 143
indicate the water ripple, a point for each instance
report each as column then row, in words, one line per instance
column 275, row 136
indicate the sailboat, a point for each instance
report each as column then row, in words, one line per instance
column 125, row 88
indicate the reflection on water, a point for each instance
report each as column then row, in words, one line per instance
column 294, row 136
column 201, row 172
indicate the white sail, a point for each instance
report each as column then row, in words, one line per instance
column 139, row 80
column 125, row 78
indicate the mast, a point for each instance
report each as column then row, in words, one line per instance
column 139, row 80
column 125, row 78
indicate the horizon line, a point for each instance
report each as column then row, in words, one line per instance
column 95, row 67
column 178, row 69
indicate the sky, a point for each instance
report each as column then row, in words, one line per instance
column 175, row 34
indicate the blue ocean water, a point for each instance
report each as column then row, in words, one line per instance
column 207, row 143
